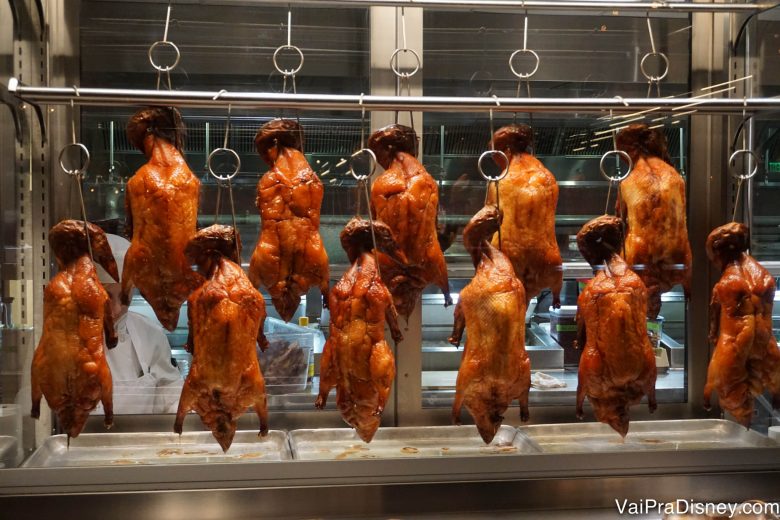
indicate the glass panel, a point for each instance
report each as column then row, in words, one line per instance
column 580, row 56
column 228, row 47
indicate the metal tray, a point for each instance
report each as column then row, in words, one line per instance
column 111, row 449
column 9, row 448
column 405, row 442
column 694, row 434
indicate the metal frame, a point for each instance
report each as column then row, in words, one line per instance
column 266, row 100
column 549, row 6
column 405, row 486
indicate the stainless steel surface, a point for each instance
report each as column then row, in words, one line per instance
column 548, row 6
column 693, row 434
column 9, row 449
column 439, row 390
column 122, row 449
column 405, row 442
column 205, row 99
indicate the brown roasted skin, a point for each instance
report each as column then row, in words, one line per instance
column 617, row 367
column 69, row 366
column 653, row 198
column 746, row 360
column 528, row 197
column 226, row 316
column 495, row 369
column 289, row 256
column 162, row 210
column 357, row 360
column 406, row 198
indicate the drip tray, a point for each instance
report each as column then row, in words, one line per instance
column 405, row 442
column 113, row 449
column 694, row 434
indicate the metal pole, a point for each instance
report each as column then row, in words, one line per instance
column 195, row 99
column 564, row 7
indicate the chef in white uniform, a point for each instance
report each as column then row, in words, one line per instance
column 144, row 379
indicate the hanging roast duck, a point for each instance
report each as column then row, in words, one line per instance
column 654, row 199
column 69, row 366
column 406, row 198
column 495, row 369
column 617, row 366
column 162, row 211
column 746, row 360
column 226, row 316
column 289, row 257
column 357, row 360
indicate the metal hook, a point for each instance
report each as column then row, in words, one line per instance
column 289, row 46
column 164, row 42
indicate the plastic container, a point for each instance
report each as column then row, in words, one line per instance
column 563, row 329
column 285, row 363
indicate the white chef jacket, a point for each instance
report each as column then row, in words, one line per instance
column 144, row 379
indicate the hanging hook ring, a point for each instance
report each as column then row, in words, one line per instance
column 492, row 154
column 228, row 151
column 524, row 75
column 371, row 159
column 164, row 68
column 288, row 72
column 81, row 170
column 394, row 63
column 649, row 76
column 751, row 155
column 618, row 177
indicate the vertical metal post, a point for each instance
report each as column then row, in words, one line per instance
column 707, row 179
column 406, row 400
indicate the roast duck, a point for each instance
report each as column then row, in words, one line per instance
column 289, row 257
column 356, row 358
column 617, row 367
column 69, row 366
column 495, row 369
column 528, row 196
column 746, row 360
column 406, row 198
column 162, row 210
column 653, row 197
column 226, row 316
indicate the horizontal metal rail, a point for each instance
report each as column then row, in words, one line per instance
column 202, row 99
column 534, row 5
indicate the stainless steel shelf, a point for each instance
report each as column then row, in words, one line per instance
column 269, row 100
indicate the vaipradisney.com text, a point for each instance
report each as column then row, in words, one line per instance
column 690, row 507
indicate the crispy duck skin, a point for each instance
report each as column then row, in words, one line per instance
column 69, row 366
column 528, row 197
column 495, row 369
column 746, row 360
column 406, row 198
column 617, row 367
column 226, row 316
column 161, row 203
column 290, row 256
column 654, row 200
column 357, row 360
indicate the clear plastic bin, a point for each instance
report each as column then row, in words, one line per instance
column 285, row 363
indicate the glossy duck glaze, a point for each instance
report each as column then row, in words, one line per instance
column 357, row 360
column 226, row 316
column 162, row 212
column 653, row 198
column 746, row 360
column 617, row 366
column 528, row 197
column 406, row 198
column 495, row 369
column 289, row 256
column 69, row 366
